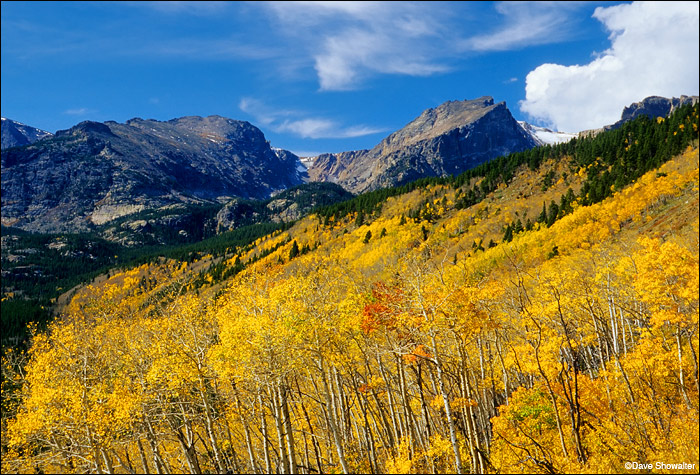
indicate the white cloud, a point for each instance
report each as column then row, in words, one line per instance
column 205, row 49
column 324, row 128
column 77, row 111
column 295, row 122
column 199, row 8
column 348, row 56
column 350, row 41
column 525, row 24
column 654, row 51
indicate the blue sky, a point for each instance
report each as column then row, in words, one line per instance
column 333, row 76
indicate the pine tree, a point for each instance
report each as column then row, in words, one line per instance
column 542, row 218
column 360, row 220
column 294, row 251
column 508, row 235
column 552, row 214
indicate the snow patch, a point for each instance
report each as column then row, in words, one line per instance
column 545, row 136
column 307, row 161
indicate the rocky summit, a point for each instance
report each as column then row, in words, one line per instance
column 96, row 172
column 17, row 134
column 653, row 107
column 448, row 139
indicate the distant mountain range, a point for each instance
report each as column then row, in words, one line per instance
column 96, row 172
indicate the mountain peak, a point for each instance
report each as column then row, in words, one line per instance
column 124, row 168
column 17, row 134
column 447, row 139
column 655, row 106
column 87, row 127
column 440, row 120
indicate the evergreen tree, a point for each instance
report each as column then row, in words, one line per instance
column 552, row 213
column 508, row 235
column 294, row 251
column 360, row 220
column 543, row 214
column 518, row 227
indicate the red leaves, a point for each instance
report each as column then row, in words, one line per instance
column 385, row 307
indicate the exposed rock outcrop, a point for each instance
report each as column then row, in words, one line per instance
column 96, row 172
column 16, row 134
column 448, row 139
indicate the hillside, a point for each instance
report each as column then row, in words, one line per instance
column 38, row 267
column 538, row 313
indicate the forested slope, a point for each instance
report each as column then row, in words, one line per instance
column 539, row 314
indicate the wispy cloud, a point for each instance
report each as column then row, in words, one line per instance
column 205, row 49
column 78, row 111
column 359, row 39
column 525, row 24
column 342, row 44
column 352, row 41
column 654, row 51
column 119, row 36
column 300, row 124
column 200, row 8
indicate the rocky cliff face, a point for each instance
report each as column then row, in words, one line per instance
column 16, row 134
column 284, row 207
column 653, row 107
column 449, row 139
column 96, row 172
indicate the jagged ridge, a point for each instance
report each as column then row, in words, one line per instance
column 449, row 139
column 95, row 172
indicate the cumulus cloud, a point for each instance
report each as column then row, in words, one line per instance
column 654, row 51
column 297, row 123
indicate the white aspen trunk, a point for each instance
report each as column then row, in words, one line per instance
column 622, row 325
column 287, row 424
column 157, row 458
column 263, row 426
column 284, row 460
column 446, row 402
column 390, row 397
column 331, row 422
column 681, row 374
column 107, row 460
column 210, row 427
column 246, row 432
column 142, row 455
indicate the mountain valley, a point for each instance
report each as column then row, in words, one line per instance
column 538, row 303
